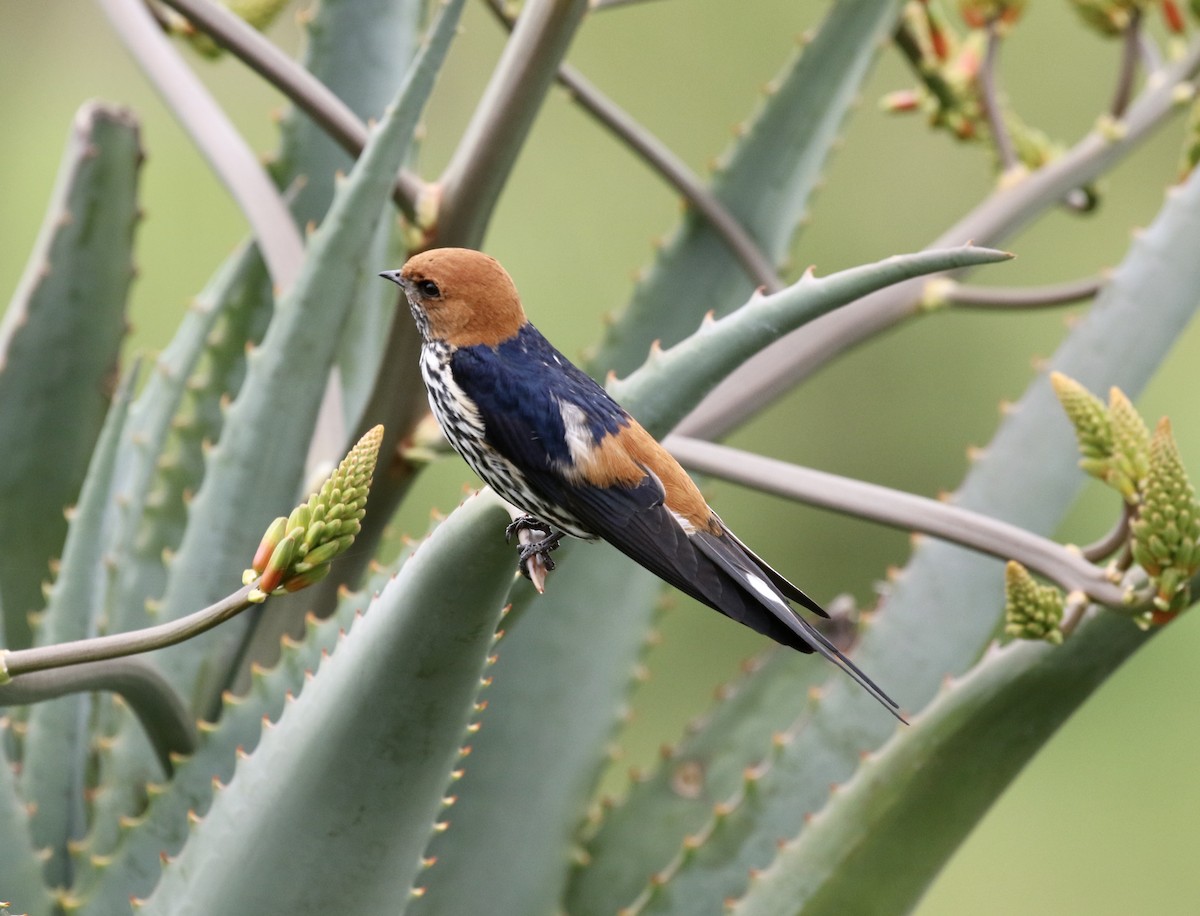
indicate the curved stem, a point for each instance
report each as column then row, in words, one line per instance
column 1113, row 541
column 756, row 384
column 900, row 510
column 118, row 645
column 166, row 720
column 1131, row 52
column 673, row 170
column 1076, row 609
column 991, row 101
column 669, row 166
column 215, row 136
column 304, row 90
column 964, row 296
column 1148, row 52
column 481, row 164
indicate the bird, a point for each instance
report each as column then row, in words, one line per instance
column 553, row 443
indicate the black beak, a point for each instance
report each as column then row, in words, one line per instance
column 394, row 276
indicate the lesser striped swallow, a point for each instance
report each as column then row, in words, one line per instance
column 553, row 443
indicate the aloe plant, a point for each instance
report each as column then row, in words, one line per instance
column 210, row 710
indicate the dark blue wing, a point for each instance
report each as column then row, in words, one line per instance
column 635, row 521
column 519, row 387
column 715, row 569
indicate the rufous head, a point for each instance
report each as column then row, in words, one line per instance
column 461, row 297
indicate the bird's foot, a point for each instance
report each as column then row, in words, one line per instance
column 526, row 523
column 537, row 542
column 539, row 550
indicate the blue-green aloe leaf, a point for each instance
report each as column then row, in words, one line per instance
column 704, row 771
column 946, row 605
column 370, row 744
column 131, row 863
column 180, row 411
column 257, row 465
column 766, row 183
column 70, row 302
column 175, row 413
column 158, row 470
column 934, row 781
column 360, row 49
column 56, row 739
column 672, row 381
column 20, row 863
column 560, row 683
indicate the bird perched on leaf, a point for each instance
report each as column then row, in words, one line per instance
column 553, row 443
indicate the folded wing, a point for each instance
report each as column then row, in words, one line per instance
column 715, row 569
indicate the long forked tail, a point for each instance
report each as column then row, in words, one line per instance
column 766, row 587
column 817, row 640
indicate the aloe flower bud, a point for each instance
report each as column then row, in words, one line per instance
column 324, row 553
column 278, row 566
column 274, row 534
column 305, row 579
column 296, row 551
column 1031, row 611
column 1089, row 416
column 1166, row 533
column 300, row 518
column 1114, row 443
column 1131, row 447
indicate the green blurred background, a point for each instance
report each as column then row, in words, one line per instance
column 1105, row 820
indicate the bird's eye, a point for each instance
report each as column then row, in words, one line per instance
column 428, row 289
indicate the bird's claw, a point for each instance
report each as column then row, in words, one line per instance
column 525, row 523
column 539, row 551
column 534, row 560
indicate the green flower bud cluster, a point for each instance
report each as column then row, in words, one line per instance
column 1149, row 474
column 297, row 550
column 1031, row 611
column 1166, row 533
column 1114, row 443
column 1089, row 416
column 949, row 61
column 1131, row 447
